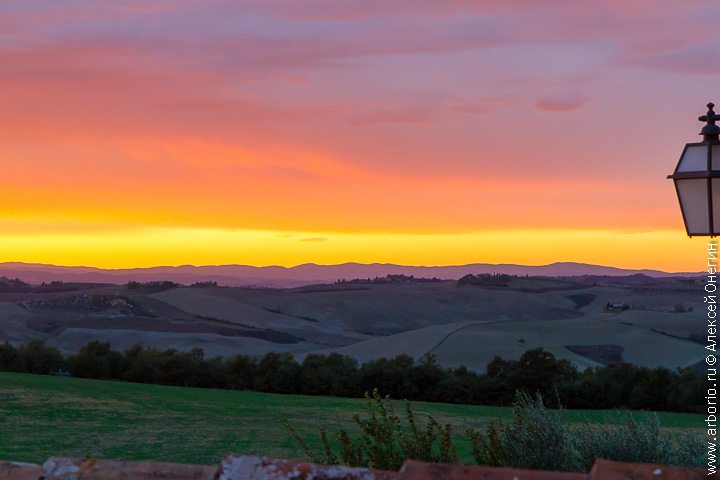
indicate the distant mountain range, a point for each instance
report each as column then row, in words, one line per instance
column 275, row 276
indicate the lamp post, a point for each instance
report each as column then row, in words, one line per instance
column 697, row 180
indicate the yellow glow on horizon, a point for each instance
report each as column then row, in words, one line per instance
column 668, row 250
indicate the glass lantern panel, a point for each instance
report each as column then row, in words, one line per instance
column 694, row 159
column 716, row 204
column 694, row 203
column 715, row 157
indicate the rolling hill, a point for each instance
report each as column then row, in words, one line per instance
column 460, row 324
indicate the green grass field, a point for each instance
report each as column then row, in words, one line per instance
column 42, row 416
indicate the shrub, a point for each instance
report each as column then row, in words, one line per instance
column 637, row 441
column 536, row 439
column 385, row 441
column 689, row 450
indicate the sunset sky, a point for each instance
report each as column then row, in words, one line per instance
column 415, row 132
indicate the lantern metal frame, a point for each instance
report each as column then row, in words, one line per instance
column 711, row 137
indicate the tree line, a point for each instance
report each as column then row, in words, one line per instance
column 15, row 285
column 614, row 386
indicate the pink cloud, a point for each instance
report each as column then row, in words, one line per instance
column 481, row 106
column 703, row 59
column 408, row 114
column 562, row 102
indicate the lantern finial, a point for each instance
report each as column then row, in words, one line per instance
column 710, row 131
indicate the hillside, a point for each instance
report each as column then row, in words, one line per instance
column 51, row 416
column 642, row 338
column 461, row 324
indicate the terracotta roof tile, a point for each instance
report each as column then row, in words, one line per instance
column 90, row 469
column 19, row 471
column 607, row 470
column 431, row 471
column 238, row 467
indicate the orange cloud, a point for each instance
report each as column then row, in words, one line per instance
column 419, row 119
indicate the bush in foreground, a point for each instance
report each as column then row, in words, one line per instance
column 638, row 441
column 535, row 438
column 385, row 440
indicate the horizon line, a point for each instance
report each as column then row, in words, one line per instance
column 559, row 262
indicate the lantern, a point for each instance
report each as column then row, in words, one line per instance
column 697, row 180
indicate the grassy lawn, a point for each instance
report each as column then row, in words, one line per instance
column 42, row 416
